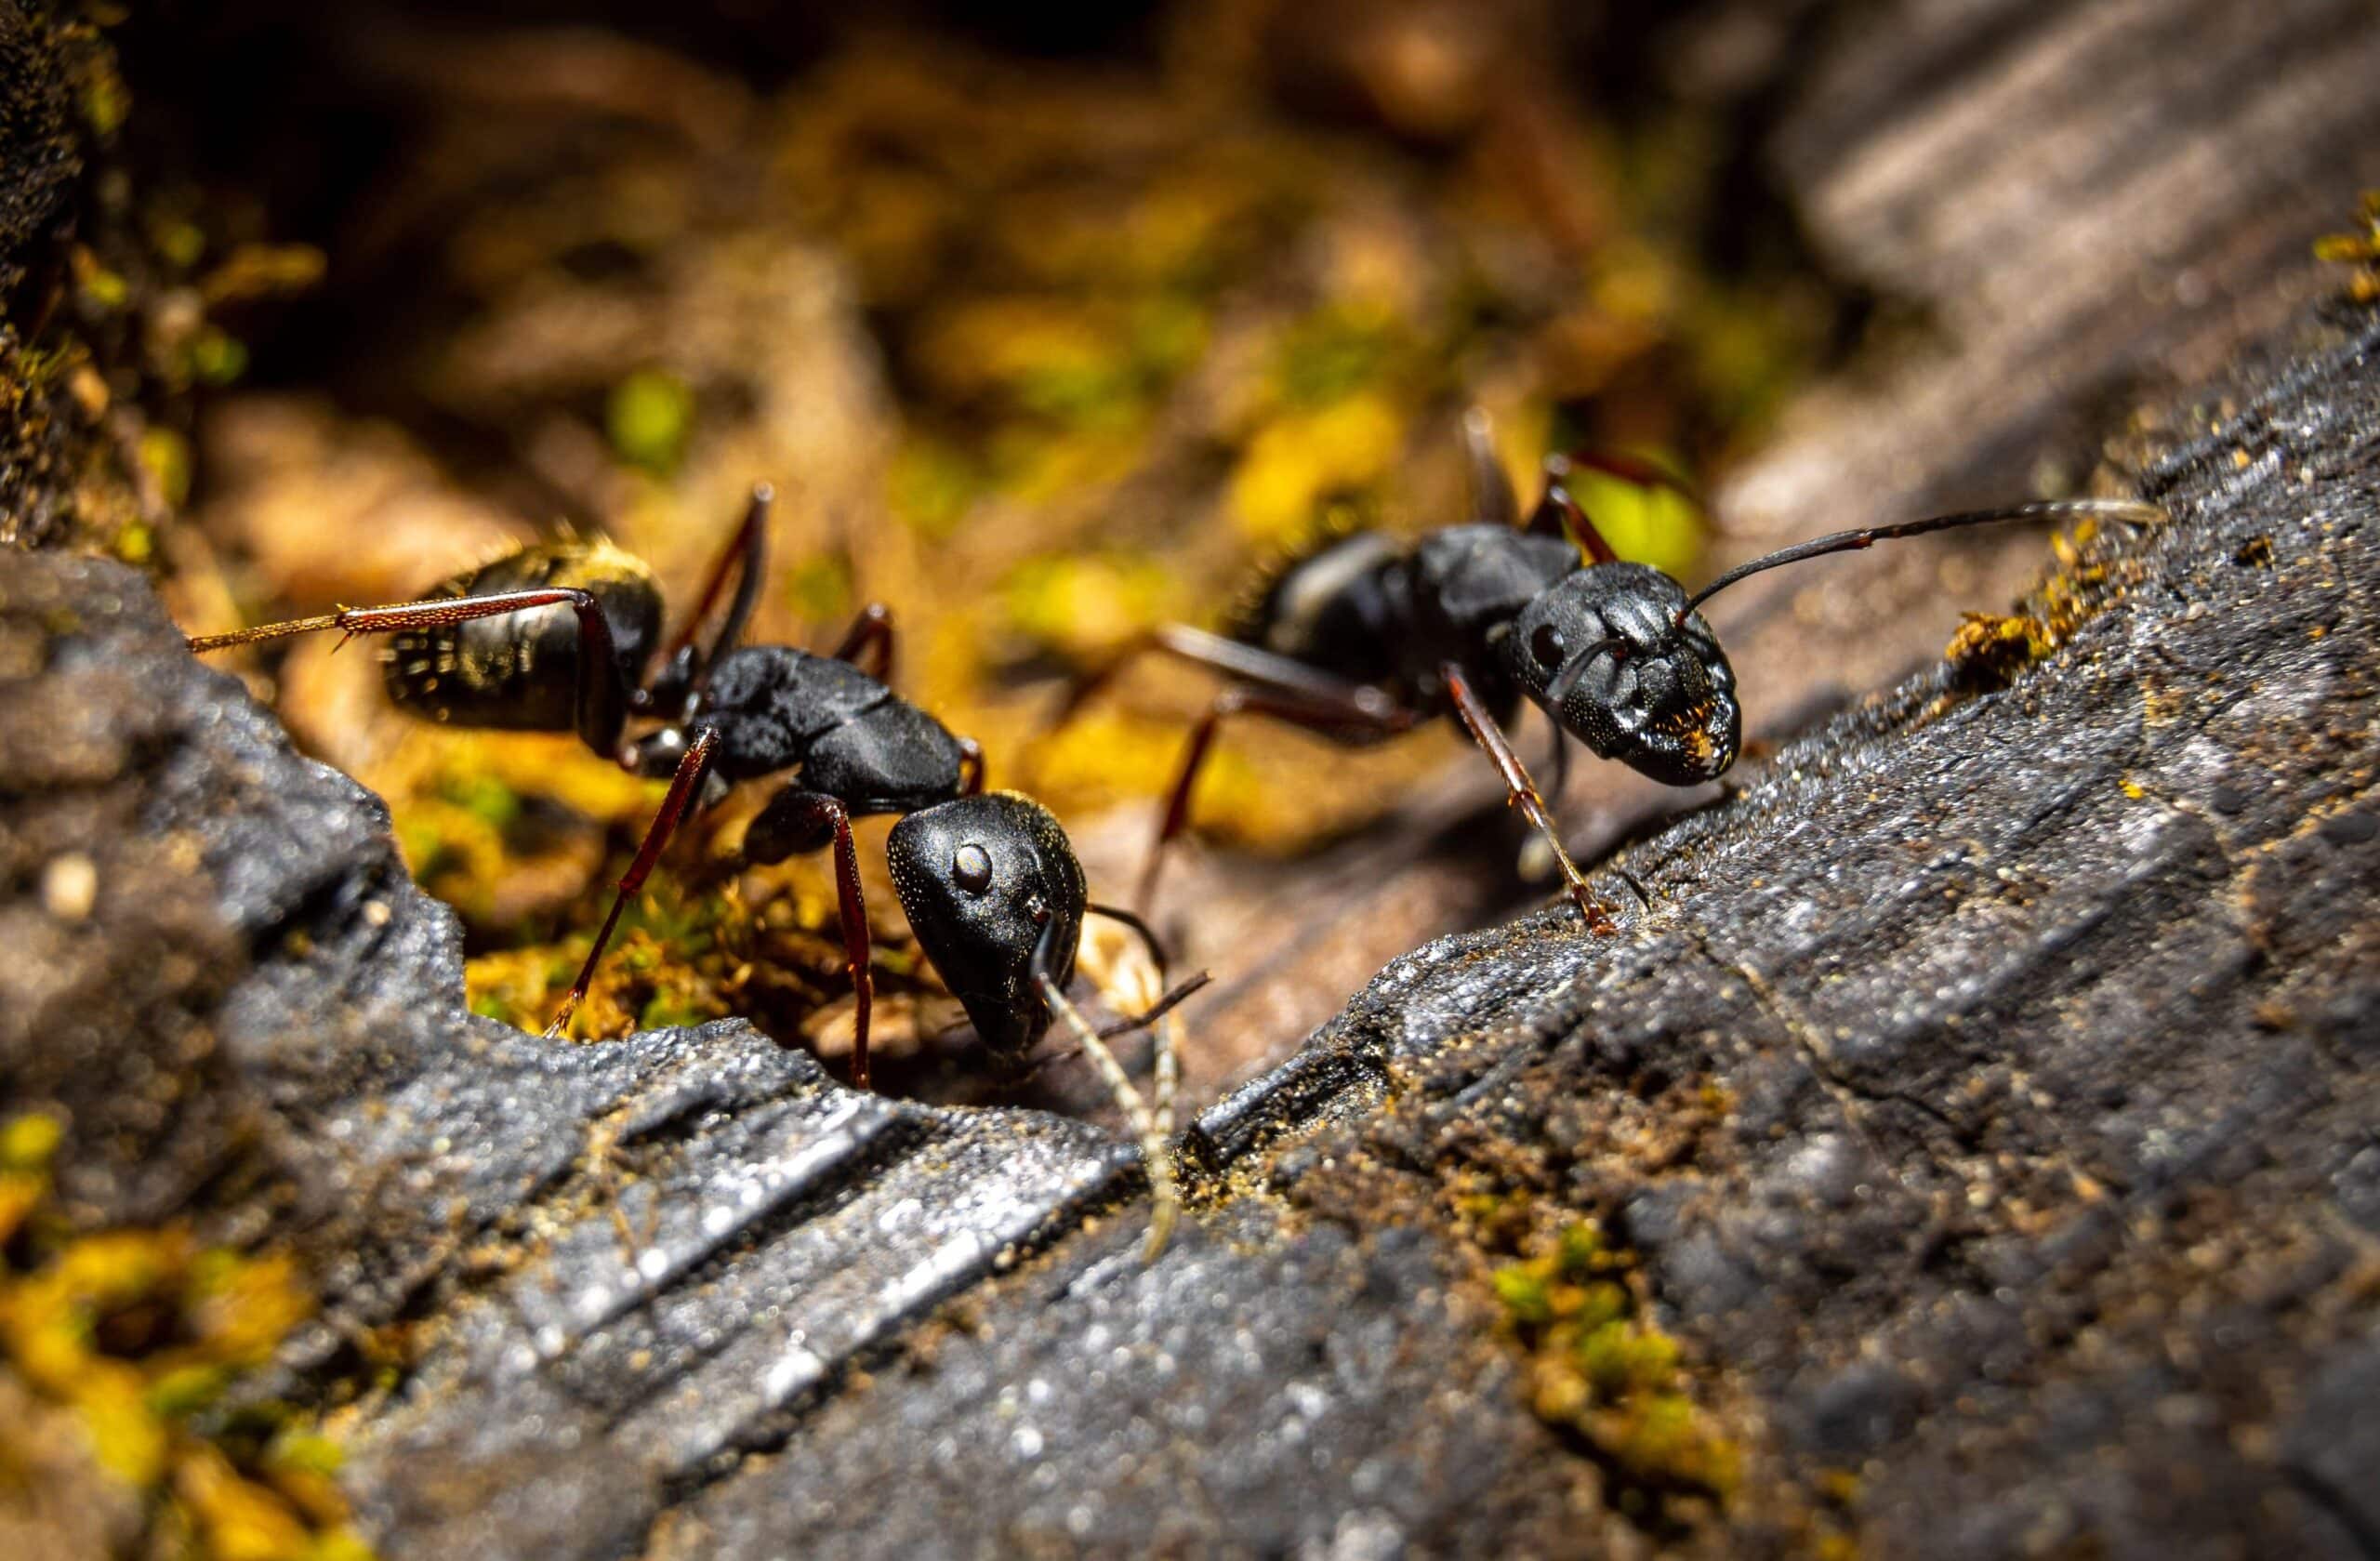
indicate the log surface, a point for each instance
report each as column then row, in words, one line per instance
column 2043, row 1189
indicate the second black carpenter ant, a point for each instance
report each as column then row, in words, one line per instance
column 562, row 638
column 1371, row 636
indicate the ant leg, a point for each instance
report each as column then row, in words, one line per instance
column 1246, row 663
column 970, row 767
column 799, row 821
column 1559, row 513
column 1165, row 1065
column 682, row 791
column 602, row 704
column 1492, row 499
column 1342, row 720
column 746, row 555
column 1157, row 1156
column 871, row 632
column 1520, row 790
column 1633, row 469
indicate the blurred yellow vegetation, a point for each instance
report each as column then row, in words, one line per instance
column 142, row 1334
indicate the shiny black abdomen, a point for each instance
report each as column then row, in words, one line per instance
column 776, row 707
column 1337, row 611
column 520, row 672
column 1467, row 583
column 1372, row 610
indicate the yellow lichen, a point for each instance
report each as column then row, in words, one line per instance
column 141, row 1333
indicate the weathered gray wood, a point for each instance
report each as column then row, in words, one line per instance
column 2045, row 1194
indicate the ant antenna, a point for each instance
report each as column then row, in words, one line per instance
column 1155, row 945
column 1154, row 1011
column 1165, row 1193
column 1165, row 1065
column 1576, row 667
column 2130, row 511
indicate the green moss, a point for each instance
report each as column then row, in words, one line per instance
column 1335, row 353
column 1084, row 603
column 819, row 590
column 100, row 290
column 931, row 483
column 181, row 244
column 106, row 101
column 650, row 417
column 165, row 455
column 1643, row 525
column 1600, row 1369
column 1525, row 1294
column 485, row 798
column 669, row 1009
column 217, row 357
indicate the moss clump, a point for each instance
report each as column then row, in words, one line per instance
column 650, row 417
column 1598, row 1369
column 1987, row 652
column 687, row 951
column 2359, row 249
column 141, row 1334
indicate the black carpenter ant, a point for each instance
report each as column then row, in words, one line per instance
column 560, row 638
column 1370, row 636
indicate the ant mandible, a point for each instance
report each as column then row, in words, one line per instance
column 559, row 637
column 1370, row 636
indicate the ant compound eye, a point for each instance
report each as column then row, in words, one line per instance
column 1546, row 646
column 971, row 865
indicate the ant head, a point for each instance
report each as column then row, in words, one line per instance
column 988, row 881
column 1612, row 653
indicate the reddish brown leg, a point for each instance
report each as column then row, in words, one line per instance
column 602, row 699
column 1343, row 720
column 744, row 556
column 798, row 821
column 869, row 632
column 674, row 807
column 1246, row 663
column 1557, row 515
column 970, row 767
column 1633, row 469
column 1520, row 790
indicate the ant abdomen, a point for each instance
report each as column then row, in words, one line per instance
column 520, row 672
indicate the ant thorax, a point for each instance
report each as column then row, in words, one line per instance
column 1466, row 584
column 776, row 706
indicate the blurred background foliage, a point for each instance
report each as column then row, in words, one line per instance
column 1045, row 335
